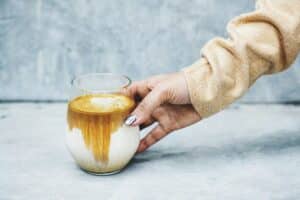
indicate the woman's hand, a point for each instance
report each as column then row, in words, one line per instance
column 163, row 99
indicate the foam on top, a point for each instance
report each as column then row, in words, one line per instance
column 101, row 103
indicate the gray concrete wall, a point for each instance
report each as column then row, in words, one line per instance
column 43, row 43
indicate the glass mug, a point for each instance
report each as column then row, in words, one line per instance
column 97, row 137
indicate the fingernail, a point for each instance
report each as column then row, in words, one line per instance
column 130, row 120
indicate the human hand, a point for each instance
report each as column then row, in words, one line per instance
column 163, row 99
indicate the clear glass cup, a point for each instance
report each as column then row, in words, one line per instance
column 97, row 137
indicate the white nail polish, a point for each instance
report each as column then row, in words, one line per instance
column 130, row 120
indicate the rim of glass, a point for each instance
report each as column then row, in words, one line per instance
column 74, row 82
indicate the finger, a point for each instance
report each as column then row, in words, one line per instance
column 153, row 137
column 138, row 89
column 149, row 122
column 143, row 111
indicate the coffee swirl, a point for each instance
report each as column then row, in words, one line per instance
column 98, row 116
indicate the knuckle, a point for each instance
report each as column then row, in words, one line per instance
column 164, row 90
column 170, row 122
column 173, row 122
column 142, row 107
column 148, row 142
column 158, row 113
column 152, row 139
column 167, row 128
column 166, row 93
column 150, row 85
column 145, row 144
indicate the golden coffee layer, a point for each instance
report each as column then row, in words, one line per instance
column 98, row 116
column 101, row 103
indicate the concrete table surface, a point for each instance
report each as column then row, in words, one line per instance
column 245, row 152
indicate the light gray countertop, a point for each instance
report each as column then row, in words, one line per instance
column 245, row 152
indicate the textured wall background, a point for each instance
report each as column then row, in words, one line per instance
column 44, row 43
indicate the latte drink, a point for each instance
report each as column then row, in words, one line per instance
column 97, row 137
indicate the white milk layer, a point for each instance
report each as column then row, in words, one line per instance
column 123, row 145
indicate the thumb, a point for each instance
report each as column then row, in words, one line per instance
column 144, row 109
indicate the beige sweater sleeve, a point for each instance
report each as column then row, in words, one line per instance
column 262, row 42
